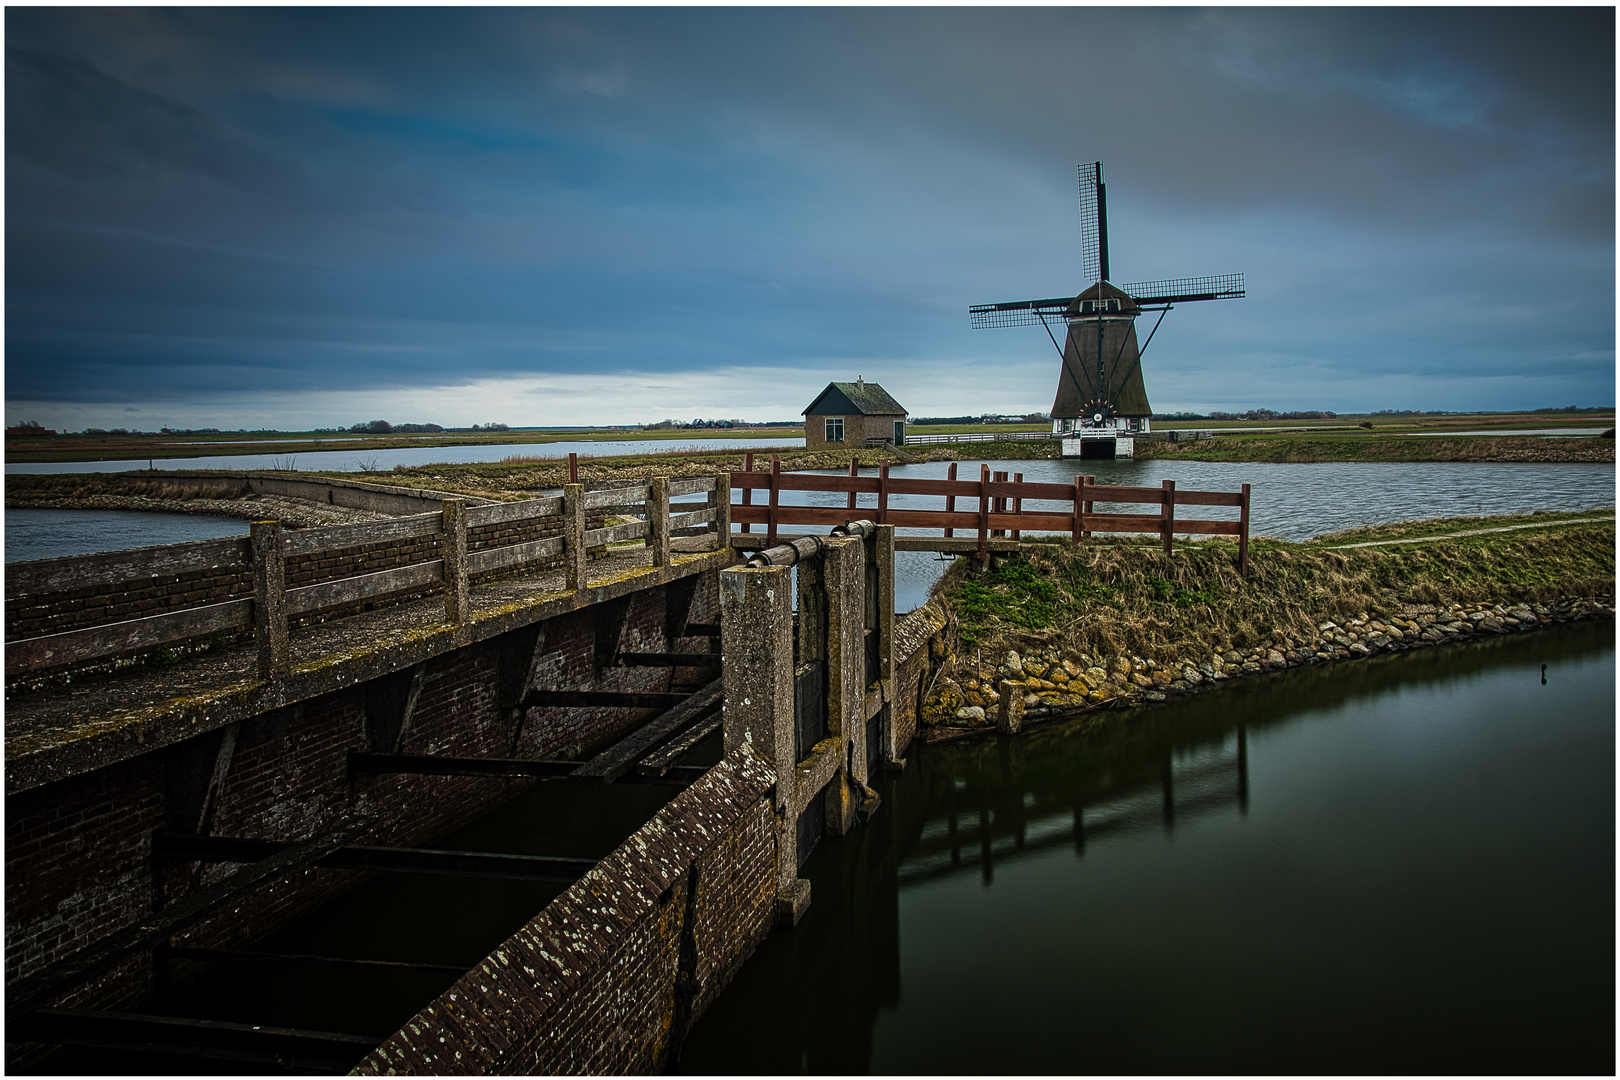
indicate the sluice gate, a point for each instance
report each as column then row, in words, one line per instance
column 341, row 716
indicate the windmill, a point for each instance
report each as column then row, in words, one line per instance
column 1101, row 402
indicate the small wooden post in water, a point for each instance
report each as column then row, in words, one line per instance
column 748, row 492
column 883, row 493
column 1167, row 524
column 854, row 470
column 573, row 468
column 950, row 500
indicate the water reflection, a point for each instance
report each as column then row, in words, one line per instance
column 1404, row 864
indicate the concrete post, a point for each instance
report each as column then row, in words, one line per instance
column 457, row 596
column 756, row 624
column 575, row 557
column 844, row 577
column 270, row 599
column 658, row 520
column 1010, row 713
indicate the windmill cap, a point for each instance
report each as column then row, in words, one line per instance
column 1103, row 290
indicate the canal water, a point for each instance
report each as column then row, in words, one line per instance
column 39, row 533
column 360, row 461
column 1403, row 864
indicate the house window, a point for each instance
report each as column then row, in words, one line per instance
column 835, row 429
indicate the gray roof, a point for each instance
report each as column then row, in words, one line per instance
column 849, row 398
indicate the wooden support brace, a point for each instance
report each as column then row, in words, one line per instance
column 575, row 557
column 1167, row 529
column 775, row 492
column 658, row 520
column 854, row 470
column 1243, row 534
column 270, row 600
column 748, row 492
column 984, row 513
column 950, row 500
column 457, row 595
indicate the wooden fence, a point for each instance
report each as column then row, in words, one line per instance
column 990, row 506
column 265, row 552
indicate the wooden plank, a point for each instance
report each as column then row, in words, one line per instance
column 111, row 639
column 632, row 495
column 1145, row 523
column 333, row 537
column 669, row 660
column 620, row 758
column 699, row 486
column 502, row 513
column 611, row 699
column 442, row 765
column 52, row 982
column 1208, row 498
column 630, row 530
column 114, row 567
column 957, row 545
column 1192, row 526
column 501, row 558
column 1103, row 493
column 363, row 587
column 692, row 518
column 660, row 761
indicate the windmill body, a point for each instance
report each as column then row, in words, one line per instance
column 1101, row 405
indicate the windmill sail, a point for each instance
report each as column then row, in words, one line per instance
column 1186, row 290
column 1093, row 224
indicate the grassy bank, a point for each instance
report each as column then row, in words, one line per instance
column 1117, row 622
column 1291, row 447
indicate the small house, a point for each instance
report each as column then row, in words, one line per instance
column 854, row 414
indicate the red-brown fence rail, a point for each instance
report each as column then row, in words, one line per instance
column 991, row 506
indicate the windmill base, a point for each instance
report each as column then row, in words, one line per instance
column 1108, row 447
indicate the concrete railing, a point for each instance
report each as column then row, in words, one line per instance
column 193, row 591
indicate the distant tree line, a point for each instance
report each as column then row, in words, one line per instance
column 1252, row 414
column 383, row 427
column 982, row 418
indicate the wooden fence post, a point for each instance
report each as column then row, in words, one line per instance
column 854, row 470
column 984, row 512
column 573, row 468
column 453, row 548
column 720, row 503
column 1078, row 529
column 950, row 500
column 1243, row 534
column 658, row 520
column 574, row 555
column 1091, row 504
column 270, row 599
column 1167, row 523
column 883, row 493
column 999, row 505
column 1018, row 503
column 748, row 492
column 770, row 511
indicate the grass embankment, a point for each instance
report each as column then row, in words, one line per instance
column 1292, row 447
column 1102, row 624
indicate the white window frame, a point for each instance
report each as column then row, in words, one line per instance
column 835, row 429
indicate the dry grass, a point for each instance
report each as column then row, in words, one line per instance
column 1132, row 599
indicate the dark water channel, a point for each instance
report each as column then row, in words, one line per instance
column 1404, row 864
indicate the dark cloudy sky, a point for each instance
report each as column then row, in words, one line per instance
column 309, row 217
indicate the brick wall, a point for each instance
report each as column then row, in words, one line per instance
column 610, row 976
column 78, row 852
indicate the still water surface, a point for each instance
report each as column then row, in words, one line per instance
column 37, row 533
column 1404, row 864
column 385, row 460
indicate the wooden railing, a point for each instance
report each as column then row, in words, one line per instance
column 990, row 506
column 978, row 436
column 265, row 553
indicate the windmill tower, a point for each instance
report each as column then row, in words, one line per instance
column 1101, row 403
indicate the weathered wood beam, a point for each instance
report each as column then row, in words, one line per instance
column 616, row 699
column 641, row 659
column 661, row 761
column 435, row 765
column 399, row 860
column 620, row 758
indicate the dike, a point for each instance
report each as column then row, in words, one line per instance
column 1068, row 630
